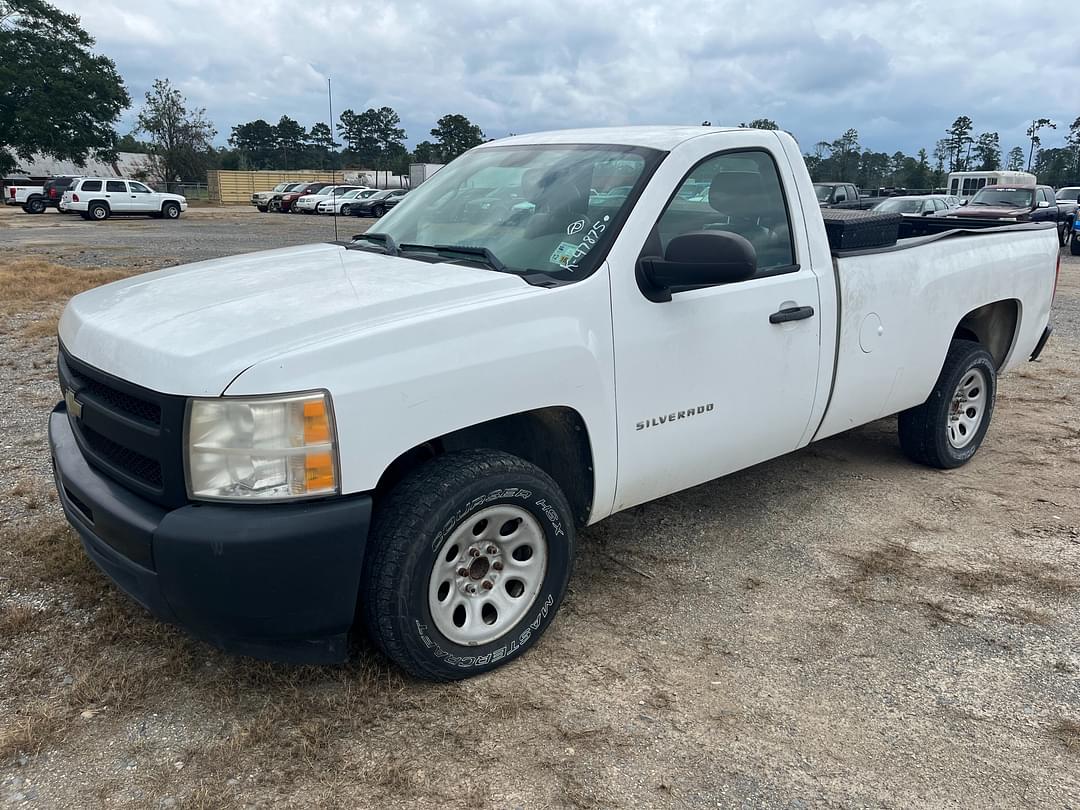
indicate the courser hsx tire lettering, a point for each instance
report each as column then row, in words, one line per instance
column 415, row 535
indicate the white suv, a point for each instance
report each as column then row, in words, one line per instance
column 99, row 198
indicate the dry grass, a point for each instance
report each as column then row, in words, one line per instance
column 40, row 288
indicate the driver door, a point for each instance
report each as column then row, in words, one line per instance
column 707, row 383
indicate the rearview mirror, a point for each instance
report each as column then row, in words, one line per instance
column 697, row 259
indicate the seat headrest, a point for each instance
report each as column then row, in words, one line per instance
column 741, row 192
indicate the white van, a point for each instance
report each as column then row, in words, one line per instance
column 965, row 184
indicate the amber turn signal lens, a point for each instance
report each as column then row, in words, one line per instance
column 316, row 423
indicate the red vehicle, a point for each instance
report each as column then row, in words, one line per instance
column 284, row 202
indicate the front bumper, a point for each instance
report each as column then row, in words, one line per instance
column 274, row 581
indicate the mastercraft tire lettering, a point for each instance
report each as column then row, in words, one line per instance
column 470, row 558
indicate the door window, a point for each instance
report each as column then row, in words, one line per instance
column 138, row 188
column 115, row 185
column 738, row 192
column 91, row 185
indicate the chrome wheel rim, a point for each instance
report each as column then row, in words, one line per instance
column 487, row 574
column 967, row 409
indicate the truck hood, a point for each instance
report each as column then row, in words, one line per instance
column 989, row 212
column 191, row 330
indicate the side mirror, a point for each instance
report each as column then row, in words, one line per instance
column 963, row 202
column 697, row 259
column 927, row 213
column 1042, row 204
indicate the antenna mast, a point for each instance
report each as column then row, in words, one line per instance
column 333, row 169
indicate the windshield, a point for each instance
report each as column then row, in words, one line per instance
column 351, row 195
column 822, row 192
column 281, row 187
column 900, row 205
column 1003, row 197
column 547, row 209
column 1068, row 194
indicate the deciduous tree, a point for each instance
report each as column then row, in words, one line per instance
column 179, row 138
column 57, row 97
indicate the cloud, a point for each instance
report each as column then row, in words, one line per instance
column 897, row 72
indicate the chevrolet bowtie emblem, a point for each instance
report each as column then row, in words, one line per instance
column 73, row 405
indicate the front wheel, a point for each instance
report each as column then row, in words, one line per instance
column 345, row 210
column 1074, row 245
column 947, row 429
column 261, row 209
column 469, row 560
column 378, row 210
column 170, row 210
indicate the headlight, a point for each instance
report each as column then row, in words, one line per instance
column 267, row 448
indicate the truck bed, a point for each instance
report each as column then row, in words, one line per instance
column 899, row 305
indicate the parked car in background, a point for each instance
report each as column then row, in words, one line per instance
column 29, row 196
column 274, row 204
column 1068, row 198
column 378, row 204
column 99, row 198
column 54, row 188
column 915, row 206
column 1013, row 204
column 309, row 203
column 342, row 204
column 287, row 200
column 830, row 195
column 1074, row 237
column 261, row 199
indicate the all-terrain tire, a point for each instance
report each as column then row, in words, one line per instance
column 427, row 522
column 947, row 429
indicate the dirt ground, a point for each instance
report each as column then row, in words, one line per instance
column 837, row 627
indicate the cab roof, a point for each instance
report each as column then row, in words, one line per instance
column 665, row 138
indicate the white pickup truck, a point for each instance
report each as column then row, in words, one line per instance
column 31, row 198
column 409, row 427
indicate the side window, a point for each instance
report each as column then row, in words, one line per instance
column 940, row 205
column 138, row 188
column 91, row 185
column 739, row 192
column 954, row 186
column 853, row 193
column 116, row 185
column 840, row 195
column 1046, row 196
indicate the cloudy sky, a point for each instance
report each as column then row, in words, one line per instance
column 899, row 72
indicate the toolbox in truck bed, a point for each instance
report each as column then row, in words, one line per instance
column 848, row 229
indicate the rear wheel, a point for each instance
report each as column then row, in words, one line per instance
column 469, row 560
column 1074, row 245
column 171, row 210
column 35, row 205
column 947, row 429
column 98, row 211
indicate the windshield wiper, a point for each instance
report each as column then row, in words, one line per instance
column 471, row 251
column 389, row 246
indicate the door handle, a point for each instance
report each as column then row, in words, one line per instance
column 791, row 314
